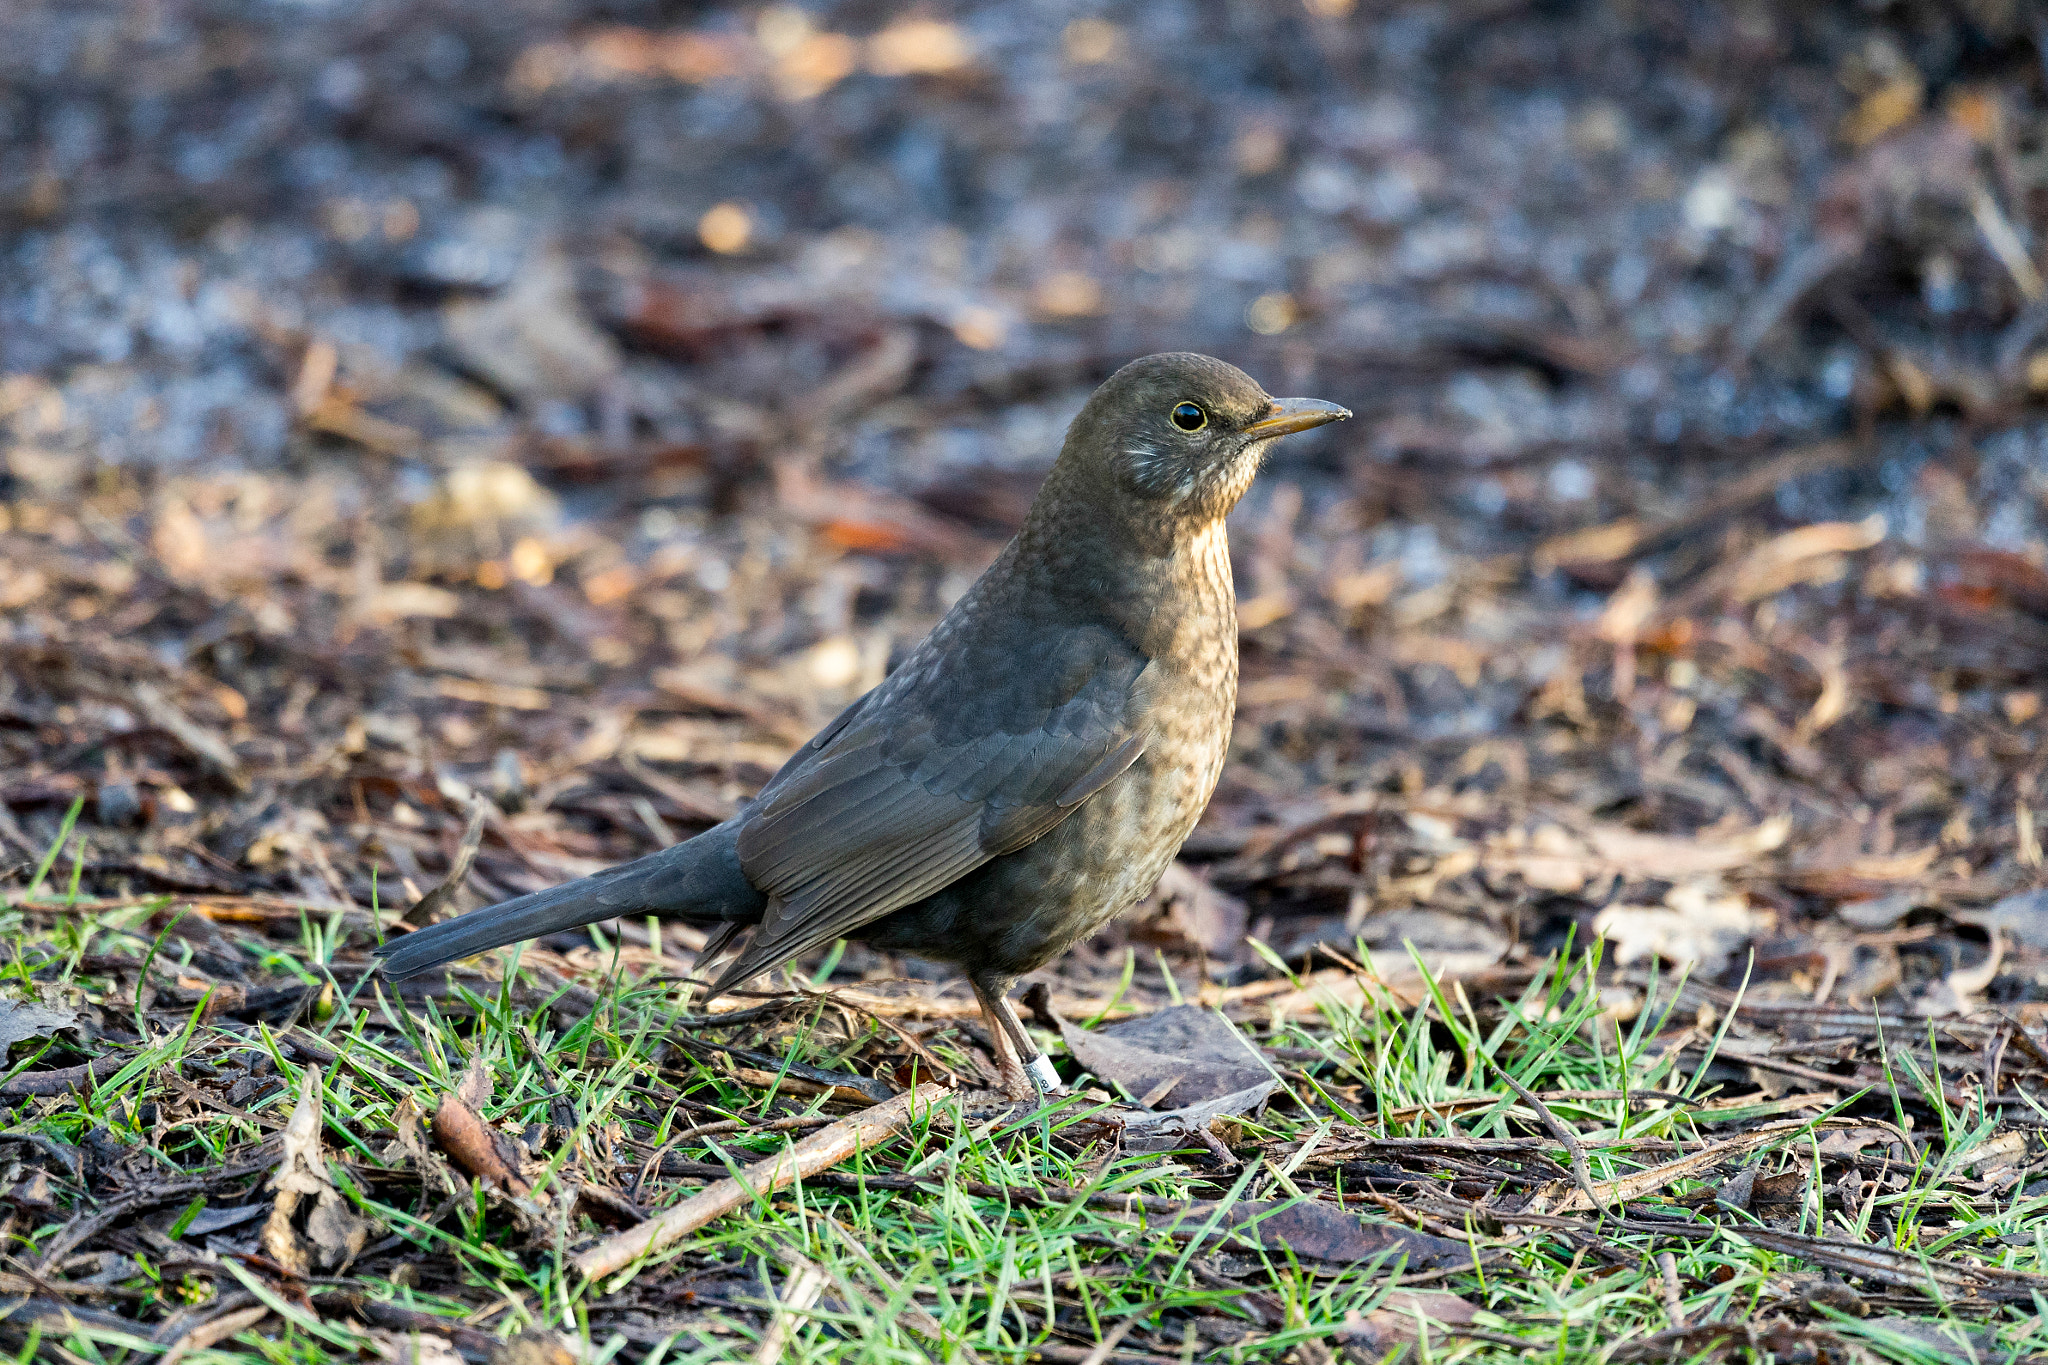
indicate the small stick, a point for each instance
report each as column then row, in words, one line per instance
column 821, row 1150
column 806, row 1283
column 206, row 1335
column 1582, row 1174
column 1674, row 1302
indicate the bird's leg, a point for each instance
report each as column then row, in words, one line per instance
column 1027, row 1073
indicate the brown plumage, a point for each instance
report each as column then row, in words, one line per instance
column 1033, row 766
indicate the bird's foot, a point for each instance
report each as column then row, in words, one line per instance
column 1034, row 1080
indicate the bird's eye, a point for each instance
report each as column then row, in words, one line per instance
column 1189, row 416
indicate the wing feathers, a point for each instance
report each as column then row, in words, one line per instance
column 1103, row 773
column 921, row 782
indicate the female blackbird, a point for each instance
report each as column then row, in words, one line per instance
column 1032, row 767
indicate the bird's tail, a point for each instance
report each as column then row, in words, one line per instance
column 699, row 880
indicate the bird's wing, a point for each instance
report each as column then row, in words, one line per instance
column 925, row 779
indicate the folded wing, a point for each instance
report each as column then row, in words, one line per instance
column 921, row 782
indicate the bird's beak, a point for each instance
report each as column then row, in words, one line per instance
column 1295, row 414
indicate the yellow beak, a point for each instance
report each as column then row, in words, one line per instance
column 1295, row 414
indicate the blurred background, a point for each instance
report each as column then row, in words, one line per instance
column 577, row 402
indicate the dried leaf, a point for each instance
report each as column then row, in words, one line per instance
column 2022, row 917
column 333, row 1234
column 1698, row 926
column 1187, row 1048
column 537, row 1346
column 1406, row 1314
column 22, row 1020
column 1316, row 1230
column 533, row 339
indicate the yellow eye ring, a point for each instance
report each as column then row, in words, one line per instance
column 1189, row 416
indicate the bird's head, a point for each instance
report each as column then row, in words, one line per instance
column 1184, row 434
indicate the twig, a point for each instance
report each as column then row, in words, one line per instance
column 215, row 1330
column 806, row 1282
column 1639, row 1184
column 724, row 1126
column 820, row 1151
column 65, row 1081
column 428, row 908
column 1624, row 540
column 1582, row 1174
column 1674, row 1301
column 87, row 1226
column 1111, row 1338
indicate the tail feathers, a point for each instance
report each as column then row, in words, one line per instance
column 700, row 880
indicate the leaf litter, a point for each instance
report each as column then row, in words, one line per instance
column 371, row 547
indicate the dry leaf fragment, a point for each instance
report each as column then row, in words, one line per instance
column 1186, row 1044
column 475, row 1145
column 1556, row 859
column 2022, row 917
column 1632, row 604
column 533, row 339
column 1406, row 1314
column 1809, row 554
column 1318, row 1230
column 213, row 1331
column 413, row 1348
column 396, row 601
column 1662, row 855
column 23, row 1020
column 1698, row 926
column 485, row 493
column 536, row 1346
column 1185, row 908
column 333, row 1234
column 1890, row 106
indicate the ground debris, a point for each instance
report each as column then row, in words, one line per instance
column 330, row 1234
column 451, row 450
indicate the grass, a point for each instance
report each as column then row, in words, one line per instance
column 972, row 1258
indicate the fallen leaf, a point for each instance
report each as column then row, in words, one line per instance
column 1185, row 909
column 533, row 338
column 2022, row 916
column 1318, row 1230
column 535, row 1346
column 1405, row 1314
column 333, row 1234
column 396, row 601
column 1634, row 853
column 1809, row 554
column 22, row 1020
column 1553, row 858
column 485, row 493
column 1191, row 1052
column 1698, row 926
column 1942, row 1340
column 475, row 1146
column 1164, row 1131
column 1891, row 105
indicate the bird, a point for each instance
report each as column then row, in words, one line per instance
column 1030, row 769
